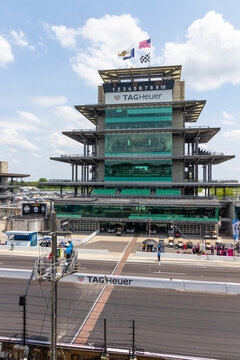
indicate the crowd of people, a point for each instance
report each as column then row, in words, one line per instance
column 220, row 250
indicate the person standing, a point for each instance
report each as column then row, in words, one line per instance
column 159, row 254
column 69, row 249
column 212, row 250
column 12, row 244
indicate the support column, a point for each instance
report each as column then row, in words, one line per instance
column 188, row 148
column 76, row 173
column 192, row 148
column 196, row 172
column 209, row 173
column 72, row 172
column 196, row 145
column 204, row 173
column 82, row 172
column 88, row 168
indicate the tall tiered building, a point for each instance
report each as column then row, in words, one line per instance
column 143, row 161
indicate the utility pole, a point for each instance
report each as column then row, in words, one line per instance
column 53, row 350
column 54, row 270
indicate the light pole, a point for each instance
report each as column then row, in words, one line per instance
column 149, row 228
column 53, row 347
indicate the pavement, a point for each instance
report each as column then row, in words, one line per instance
column 166, row 321
column 95, row 249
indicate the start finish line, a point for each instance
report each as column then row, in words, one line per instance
column 155, row 283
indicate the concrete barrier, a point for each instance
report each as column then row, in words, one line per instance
column 93, row 251
column 151, row 255
column 135, row 281
column 170, row 284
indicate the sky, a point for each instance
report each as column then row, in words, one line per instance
column 51, row 51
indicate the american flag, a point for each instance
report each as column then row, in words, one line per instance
column 145, row 44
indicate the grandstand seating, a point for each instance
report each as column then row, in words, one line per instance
column 135, row 192
column 104, row 191
column 168, row 192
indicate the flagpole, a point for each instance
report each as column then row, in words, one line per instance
column 150, row 54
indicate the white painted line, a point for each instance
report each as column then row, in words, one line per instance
column 169, row 273
column 93, row 306
column 7, row 269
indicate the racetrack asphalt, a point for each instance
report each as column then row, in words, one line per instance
column 167, row 321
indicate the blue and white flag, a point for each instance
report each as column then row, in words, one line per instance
column 129, row 54
column 235, row 226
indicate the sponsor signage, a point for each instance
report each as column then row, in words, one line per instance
column 34, row 208
column 235, row 227
column 138, row 92
column 138, row 97
column 104, row 279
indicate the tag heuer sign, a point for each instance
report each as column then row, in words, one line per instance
column 139, row 97
column 140, row 92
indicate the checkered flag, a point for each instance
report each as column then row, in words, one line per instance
column 145, row 58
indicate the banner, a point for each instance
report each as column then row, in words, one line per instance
column 139, row 97
column 235, row 226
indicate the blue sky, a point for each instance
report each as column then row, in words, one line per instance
column 50, row 52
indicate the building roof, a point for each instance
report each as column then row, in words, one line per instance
column 8, row 175
column 190, row 108
column 144, row 73
column 153, row 184
column 204, row 134
column 201, row 159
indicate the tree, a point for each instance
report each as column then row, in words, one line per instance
column 40, row 181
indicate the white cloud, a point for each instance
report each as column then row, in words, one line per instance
column 233, row 135
column 105, row 38
column 36, row 155
column 71, row 115
column 13, row 123
column 19, row 38
column 58, row 152
column 228, row 118
column 57, row 140
column 5, row 52
column 49, row 101
column 66, row 36
column 211, row 54
column 13, row 150
column 28, row 117
column 12, row 138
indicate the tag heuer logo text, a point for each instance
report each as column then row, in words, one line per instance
column 117, row 97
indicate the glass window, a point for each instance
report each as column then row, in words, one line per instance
column 125, row 144
column 138, row 212
column 137, row 170
column 135, row 118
